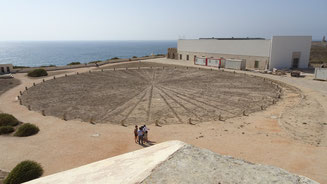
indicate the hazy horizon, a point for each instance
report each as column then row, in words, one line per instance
column 145, row 20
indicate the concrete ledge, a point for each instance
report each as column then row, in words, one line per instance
column 131, row 167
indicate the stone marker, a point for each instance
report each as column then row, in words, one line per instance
column 43, row 113
column 20, row 92
column 33, row 83
column 64, row 117
column 29, row 107
column 244, row 113
column 122, row 123
column 157, row 123
column 26, row 88
column 190, row 121
column 43, row 80
column 54, row 77
column 220, row 117
column 92, row 121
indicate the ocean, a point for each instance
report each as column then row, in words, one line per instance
column 42, row 53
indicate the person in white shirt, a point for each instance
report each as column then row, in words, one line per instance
column 140, row 135
column 145, row 131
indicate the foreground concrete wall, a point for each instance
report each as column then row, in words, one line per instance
column 285, row 48
column 231, row 47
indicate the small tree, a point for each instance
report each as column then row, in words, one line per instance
column 38, row 73
column 27, row 129
column 8, row 120
column 23, row 172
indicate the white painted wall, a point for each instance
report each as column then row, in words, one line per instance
column 283, row 47
column 232, row 47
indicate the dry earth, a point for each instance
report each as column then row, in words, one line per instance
column 6, row 84
column 137, row 96
column 277, row 136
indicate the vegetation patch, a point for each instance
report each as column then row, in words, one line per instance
column 6, row 130
column 27, row 129
column 23, row 172
column 74, row 63
column 48, row 66
column 94, row 62
column 114, row 58
column 8, row 120
column 37, row 73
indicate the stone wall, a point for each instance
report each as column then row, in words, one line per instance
column 172, row 53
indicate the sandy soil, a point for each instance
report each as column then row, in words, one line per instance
column 6, row 84
column 166, row 95
column 261, row 137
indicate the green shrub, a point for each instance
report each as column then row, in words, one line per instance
column 6, row 129
column 8, row 120
column 134, row 57
column 114, row 58
column 27, row 129
column 74, row 63
column 48, row 66
column 38, row 73
column 18, row 67
column 95, row 62
column 23, row 172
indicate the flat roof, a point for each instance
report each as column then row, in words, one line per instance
column 232, row 38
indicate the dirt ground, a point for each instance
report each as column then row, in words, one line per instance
column 285, row 135
column 137, row 96
column 6, row 84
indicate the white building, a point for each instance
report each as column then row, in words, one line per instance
column 281, row 52
column 6, row 68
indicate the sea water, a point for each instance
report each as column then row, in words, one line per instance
column 43, row 53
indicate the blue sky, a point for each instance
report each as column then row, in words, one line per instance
column 159, row 19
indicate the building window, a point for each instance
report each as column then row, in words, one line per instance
column 187, row 57
column 8, row 69
column 180, row 57
column 256, row 64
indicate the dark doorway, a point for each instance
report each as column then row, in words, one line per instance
column 295, row 63
column 256, row 64
column 173, row 56
column 187, row 57
column 2, row 70
column 8, row 69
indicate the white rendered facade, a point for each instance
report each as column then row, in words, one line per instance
column 280, row 52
